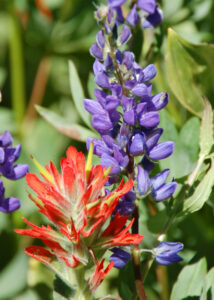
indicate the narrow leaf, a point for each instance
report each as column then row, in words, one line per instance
column 74, row 131
column 201, row 193
column 78, row 94
column 206, row 130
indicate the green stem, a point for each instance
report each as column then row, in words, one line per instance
column 16, row 69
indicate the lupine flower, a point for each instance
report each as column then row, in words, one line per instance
column 134, row 131
column 8, row 156
column 76, row 204
column 166, row 252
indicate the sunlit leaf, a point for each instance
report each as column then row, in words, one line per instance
column 206, row 131
column 190, row 281
column 74, row 131
column 190, row 71
column 201, row 193
column 78, row 94
column 184, row 158
column 14, row 276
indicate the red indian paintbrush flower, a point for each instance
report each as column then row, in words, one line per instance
column 81, row 215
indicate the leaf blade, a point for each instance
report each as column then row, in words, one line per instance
column 74, row 131
column 78, row 94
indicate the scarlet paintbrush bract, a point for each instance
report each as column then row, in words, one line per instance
column 80, row 212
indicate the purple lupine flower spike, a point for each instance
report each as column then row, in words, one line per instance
column 166, row 252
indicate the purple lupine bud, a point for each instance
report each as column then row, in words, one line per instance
column 108, row 140
column 154, row 19
column 143, row 181
column 101, row 79
column 121, row 157
column 7, row 205
column 149, row 72
column 162, row 150
column 120, row 257
column 111, row 103
column 100, row 95
column 126, row 206
column 116, row 90
column 125, row 34
column 141, row 90
column 159, row 179
column 114, row 116
column 2, row 156
column 133, row 17
column 127, row 103
column 130, row 117
column 100, row 39
column 147, row 5
column 115, row 3
column 153, row 137
column 130, row 84
column 165, row 191
column 15, row 173
column 166, row 252
column 149, row 119
column 99, row 146
column 128, row 59
column 137, row 144
column 160, row 100
column 101, row 122
column 108, row 61
column 98, row 67
column 93, row 107
column 6, row 139
column 141, row 109
column 109, row 161
column 96, row 51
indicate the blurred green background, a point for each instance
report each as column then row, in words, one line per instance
column 37, row 38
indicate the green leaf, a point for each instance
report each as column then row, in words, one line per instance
column 206, row 130
column 190, row 281
column 210, row 280
column 190, row 69
column 78, row 94
column 74, row 131
column 184, row 158
column 201, row 193
column 14, row 276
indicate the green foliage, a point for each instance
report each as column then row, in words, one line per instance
column 13, row 278
column 185, row 153
column 190, row 69
column 201, row 193
column 78, row 94
column 193, row 280
column 74, row 131
column 206, row 131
